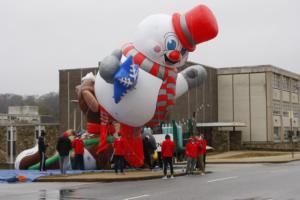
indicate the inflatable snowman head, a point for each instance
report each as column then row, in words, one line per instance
column 167, row 40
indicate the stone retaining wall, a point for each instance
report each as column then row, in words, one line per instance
column 286, row 146
column 226, row 140
column 26, row 138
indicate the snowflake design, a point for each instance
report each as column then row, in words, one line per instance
column 125, row 81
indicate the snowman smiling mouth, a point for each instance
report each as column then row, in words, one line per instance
column 169, row 61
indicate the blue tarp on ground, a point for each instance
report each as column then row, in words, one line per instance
column 10, row 175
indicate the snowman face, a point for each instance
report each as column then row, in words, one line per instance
column 156, row 39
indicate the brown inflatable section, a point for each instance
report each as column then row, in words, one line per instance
column 27, row 161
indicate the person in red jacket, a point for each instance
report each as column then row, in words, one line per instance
column 78, row 147
column 119, row 152
column 167, row 150
column 191, row 151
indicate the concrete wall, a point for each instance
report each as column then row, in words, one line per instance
column 242, row 98
column 225, row 98
column 258, row 107
column 241, row 103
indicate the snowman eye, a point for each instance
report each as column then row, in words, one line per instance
column 171, row 43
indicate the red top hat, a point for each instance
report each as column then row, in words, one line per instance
column 196, row 26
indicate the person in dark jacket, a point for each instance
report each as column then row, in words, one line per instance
column 148, row 151
column 167, row 151
column 42, row 151
column 63, row 148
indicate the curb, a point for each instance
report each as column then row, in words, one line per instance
column 106, row 180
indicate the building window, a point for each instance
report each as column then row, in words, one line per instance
column 38, row 131
column 276, row 81
column 294, row 86
column 276, row 134
column 285, row 83
column 295, row 135
column 286, row 134
column 285, row 109
column 276, row 107
column 298, row 135
column 295, row 109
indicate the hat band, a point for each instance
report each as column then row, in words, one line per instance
column 186, row 31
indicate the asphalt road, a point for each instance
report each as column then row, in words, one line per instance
column 225, row 182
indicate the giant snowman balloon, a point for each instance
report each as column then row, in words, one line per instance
column 138, row 84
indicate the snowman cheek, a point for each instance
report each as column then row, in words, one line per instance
column 157, row 49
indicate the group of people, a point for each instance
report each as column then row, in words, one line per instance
column 195, row 151
column 63, row 147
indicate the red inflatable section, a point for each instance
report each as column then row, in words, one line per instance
column 134, row 153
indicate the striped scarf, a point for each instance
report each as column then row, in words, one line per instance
column 167, row 92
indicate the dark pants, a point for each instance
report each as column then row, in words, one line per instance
column 119, row 163
column 148, row 162
column 168, row 160
column 78, row 162
column 42, row 161
column 158, row 161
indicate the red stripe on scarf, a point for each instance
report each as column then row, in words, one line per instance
column 162, row 98
column 138, row 59
column 171, row 80
column 154, row 70
column 127, row 49
column 171, row 91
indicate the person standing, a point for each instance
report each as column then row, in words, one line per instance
column 119, row 152
column 167, row 149
column 78, row 146
column 191, row 151
column 42, row 151
column 200, row 155
column 148, row 151
column 204, row 144
column 63, row 148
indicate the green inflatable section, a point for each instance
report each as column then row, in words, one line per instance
column 53, row 159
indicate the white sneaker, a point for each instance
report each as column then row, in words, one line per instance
column 165, row 177
column 172, row 177
column 202, row 174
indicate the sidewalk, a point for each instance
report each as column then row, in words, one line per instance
column 252, row 157
column 219, row 158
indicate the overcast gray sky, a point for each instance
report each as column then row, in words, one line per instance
column 37, row 38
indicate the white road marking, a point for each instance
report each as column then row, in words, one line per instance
column 222, row 179
column 137, row 197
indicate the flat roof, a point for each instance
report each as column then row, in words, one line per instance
column 221, row 124
column 257, row 69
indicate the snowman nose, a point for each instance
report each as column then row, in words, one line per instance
column 174, row 55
